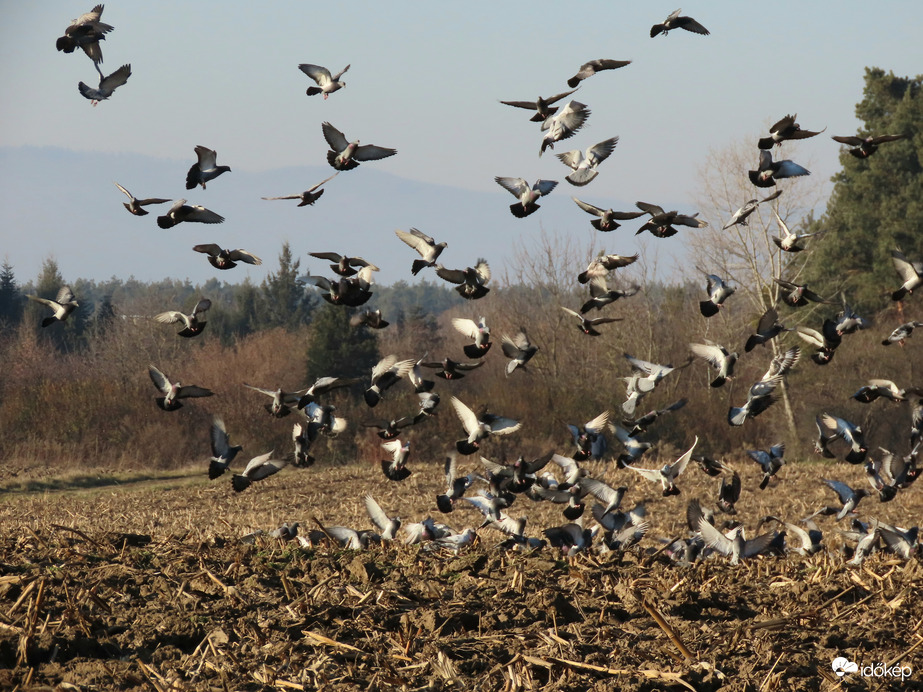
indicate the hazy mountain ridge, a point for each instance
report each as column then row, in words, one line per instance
column 63, row 203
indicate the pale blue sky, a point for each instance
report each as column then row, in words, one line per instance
column 426, row 78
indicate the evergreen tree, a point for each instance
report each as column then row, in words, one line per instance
column 285, row 302
column 877, row 202
column 337, row 349
column 11, row 299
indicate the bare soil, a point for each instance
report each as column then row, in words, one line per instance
column 146, row 585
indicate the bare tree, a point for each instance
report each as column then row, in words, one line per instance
column 744, row 253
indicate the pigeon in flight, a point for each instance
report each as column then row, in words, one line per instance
column 518, row 349
column 587, row 325
column 585, row 163
column 86, row 32
column 107, row 85
column 428, row 249
column 784, row 130
column 542, row 106
column 661, row 222
column 134, row 205
column 718, row 291
column 471, row 281
column 790, row 242
column 205, row 169
column 742, row 214
column 64, row 304
column 180, row 211
column 326, row 83
column 220, row 258
column 606, row 218
column 601, row 265
column 910, row 272
column 309, row 196
column 528, row 196
column 223, row 453
column 588, row 69
column 768, row 171
column 564, row 124
column 173, row 391
column 193, row 323
column 675, row 21
column 345, row 155
column 259, row 468
column 863, row 147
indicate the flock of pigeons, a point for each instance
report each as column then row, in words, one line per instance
column 569, row 485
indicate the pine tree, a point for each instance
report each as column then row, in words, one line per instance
column 11, row 299
column 877, row 202
column 285, row 302
column 337, row 349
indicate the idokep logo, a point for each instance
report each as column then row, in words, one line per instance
column 841, row 666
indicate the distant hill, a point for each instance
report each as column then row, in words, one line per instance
column 63, row 203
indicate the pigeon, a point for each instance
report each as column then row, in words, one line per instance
column 641, row 424
column 107, row 85
column 590, row 440
column 585, row 163
column 848, row 322
column 450, row 369
column 282, row 401
column 767, row 328
column 370, row 318
column 849, row 498
column 768, row 171
column 322, row 385
column 901, row 334
column 879, row 476
column 395, row 468
column 205, row 169
column 790, row 242
column 564, row 124
column 220, row 258
column 570, row 538
column 528, row 196
column 675, row 21
column 734, row 544
column 471, row 281
column 345, row 155
column 389, row 429
column 782, row 363
column 661, row 222
column 223, row 453
column 63, row 305
column 607, row 218
column 601, row 295
column 784, row 130
column 134, row 205
column 425, row 245
column 718, row 291
column 651, row 373
column 180, row 212
column 518, row 349
column 601, row 265
column 588, row 326
column 478, row 331
column 326, row 83
column 719, row 358
column 542, row 106
column 588, row 69
column 770, row 461
column 173, row 391
column 904, row 543
column 86, row 32
column 825, row 343
column 286, row 532
column 863, row 147
column 634, row 448
column 385, row 373
column 387, row 526
column 848, row 432
column 259, row 468
column 759, row 398
column 799, row 295
column 729, row 493
column 456, row 485
column 883, row 388
column 668, row 474
column 322, row 420
column 301, row 440
column 352, row 291
column 344, row 265
column 478, row 426
column 309, row 196
column 911, row 274
column 193, row 323
column 742, row 214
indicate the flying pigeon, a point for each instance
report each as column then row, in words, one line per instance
column 528, row 196
column 220, row 258
column 205, row 169
column 173, row 391
column 586, row 162
column 107, row 85
column 784, row 130
column 675, row 21
column 345, row 155
column 64, row 304
column 309, row 196
column 588, row 69
column 180, row 212
column 193, row 323
column 425, row 245
column 863, row 147
column 326, row 83
column 564, row 124
column 135, row 205
column 542, row 106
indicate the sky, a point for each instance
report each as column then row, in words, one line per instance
column 426, row 79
